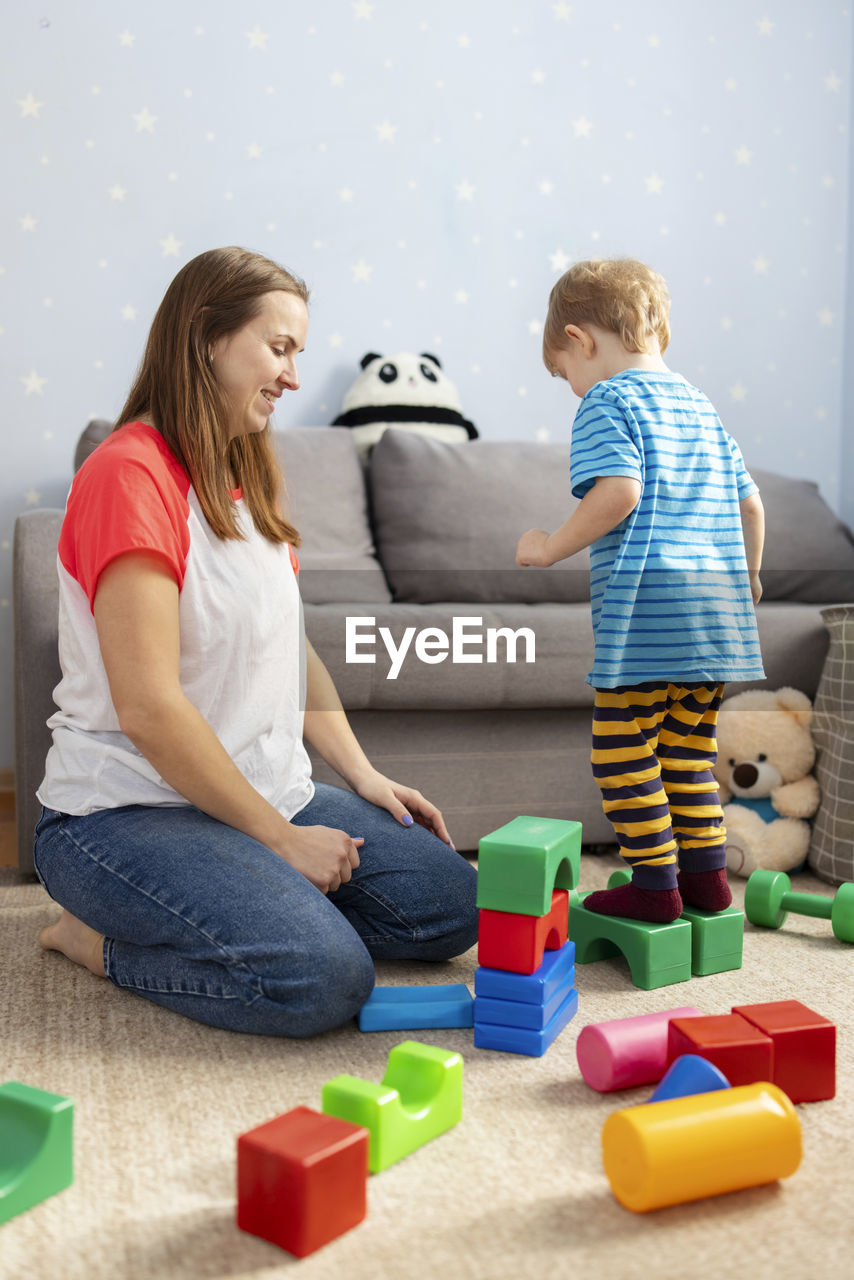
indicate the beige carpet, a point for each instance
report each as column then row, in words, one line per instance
column 516, row 1190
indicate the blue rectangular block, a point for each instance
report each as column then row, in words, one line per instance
column 489, row 1035
column 514, row 1013
column 528, row 988
column 408, row 1008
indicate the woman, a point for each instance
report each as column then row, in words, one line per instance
column 196, row 862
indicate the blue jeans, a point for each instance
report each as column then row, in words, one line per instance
column 205, row 920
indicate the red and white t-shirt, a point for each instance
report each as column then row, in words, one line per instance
column 242, row 661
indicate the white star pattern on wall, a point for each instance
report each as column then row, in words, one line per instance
column 431, row 172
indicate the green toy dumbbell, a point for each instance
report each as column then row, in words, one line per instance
column 768, row 899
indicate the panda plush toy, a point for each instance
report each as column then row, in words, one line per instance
column 407, row 391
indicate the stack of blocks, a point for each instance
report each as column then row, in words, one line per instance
column 525, row 871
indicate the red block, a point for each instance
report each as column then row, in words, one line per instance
column 516, row 943
column 302, row 1179
column 804, row 1047
column 737, row 1048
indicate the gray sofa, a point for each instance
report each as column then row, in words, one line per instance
column 424, row 534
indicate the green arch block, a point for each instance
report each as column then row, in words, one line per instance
column 658, row 954
column 421, row 1096
column 36, row 1157
column 717, row 937
column 521, row 864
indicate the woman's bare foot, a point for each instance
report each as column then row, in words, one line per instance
column 76, row 941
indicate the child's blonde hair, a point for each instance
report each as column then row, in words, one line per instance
column 621, row 295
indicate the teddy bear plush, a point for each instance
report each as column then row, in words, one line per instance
column 406, row 391
column 765, row 757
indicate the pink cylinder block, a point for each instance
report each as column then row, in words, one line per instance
column 627, row 1051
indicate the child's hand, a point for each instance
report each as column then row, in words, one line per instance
column 532, row 548
column 755, row 587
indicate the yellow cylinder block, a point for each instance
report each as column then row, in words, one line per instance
column 684, row 1149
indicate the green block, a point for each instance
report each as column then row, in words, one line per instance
column 521, row 864
column 717, row 939
column 36, row 1158
column 658, row 954
column 717, row 936
column 421, row 1096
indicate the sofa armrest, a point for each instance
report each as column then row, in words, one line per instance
column 35, row 599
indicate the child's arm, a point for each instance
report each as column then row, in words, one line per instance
column 753, row 528
column 602, row 508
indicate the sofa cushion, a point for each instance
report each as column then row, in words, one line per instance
column 562, row 651
column 447, row 518
column 326, row 500
column 809, row 552
column 793, row 639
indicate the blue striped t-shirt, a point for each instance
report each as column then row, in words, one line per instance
column 669, row 587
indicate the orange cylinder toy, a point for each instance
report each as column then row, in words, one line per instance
column 665, row 1153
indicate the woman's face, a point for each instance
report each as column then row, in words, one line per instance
column 257, row 363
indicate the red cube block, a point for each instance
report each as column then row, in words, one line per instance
column 804, row 1047
column 302, row 1179
column 516, row 943
column 741, row 1051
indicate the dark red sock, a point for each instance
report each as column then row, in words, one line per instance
column 660, row 906
column 707, row 890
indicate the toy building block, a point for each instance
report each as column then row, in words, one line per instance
column 658, row 954
column 741, row 1051
column 517, row 942
column 408, row 1008
column 534, row 1013
column 302, row 1179
column 688, row 1076
column 36, row 1146
column 421, row 1096
column 705, row 1145
column 521, row 864
column 510, row 1039
column 556, row 972
column 804, row 1047
column 717, row 936
column 627, row 1051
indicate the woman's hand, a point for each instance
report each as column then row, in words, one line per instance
column 326, row 856
column 403, row 803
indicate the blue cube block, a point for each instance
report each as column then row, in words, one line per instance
column 528, row 988
column 491, row 1035
column 410, row 1008
column 515, row 1013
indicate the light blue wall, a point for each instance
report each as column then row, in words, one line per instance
column 429, row 169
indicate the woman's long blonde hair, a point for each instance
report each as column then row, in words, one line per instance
column 214, row 295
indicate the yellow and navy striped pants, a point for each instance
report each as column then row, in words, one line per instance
column 653, row 750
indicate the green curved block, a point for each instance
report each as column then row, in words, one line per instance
column 520, row 865
column 717, row 937
column 421, row 1096
column 36, row 1158
column 658, row 954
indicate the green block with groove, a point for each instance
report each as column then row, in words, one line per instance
column 421, row 1096
column 521, row 864
column 658, row 954
column 717, row 936
column 36, row 1156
